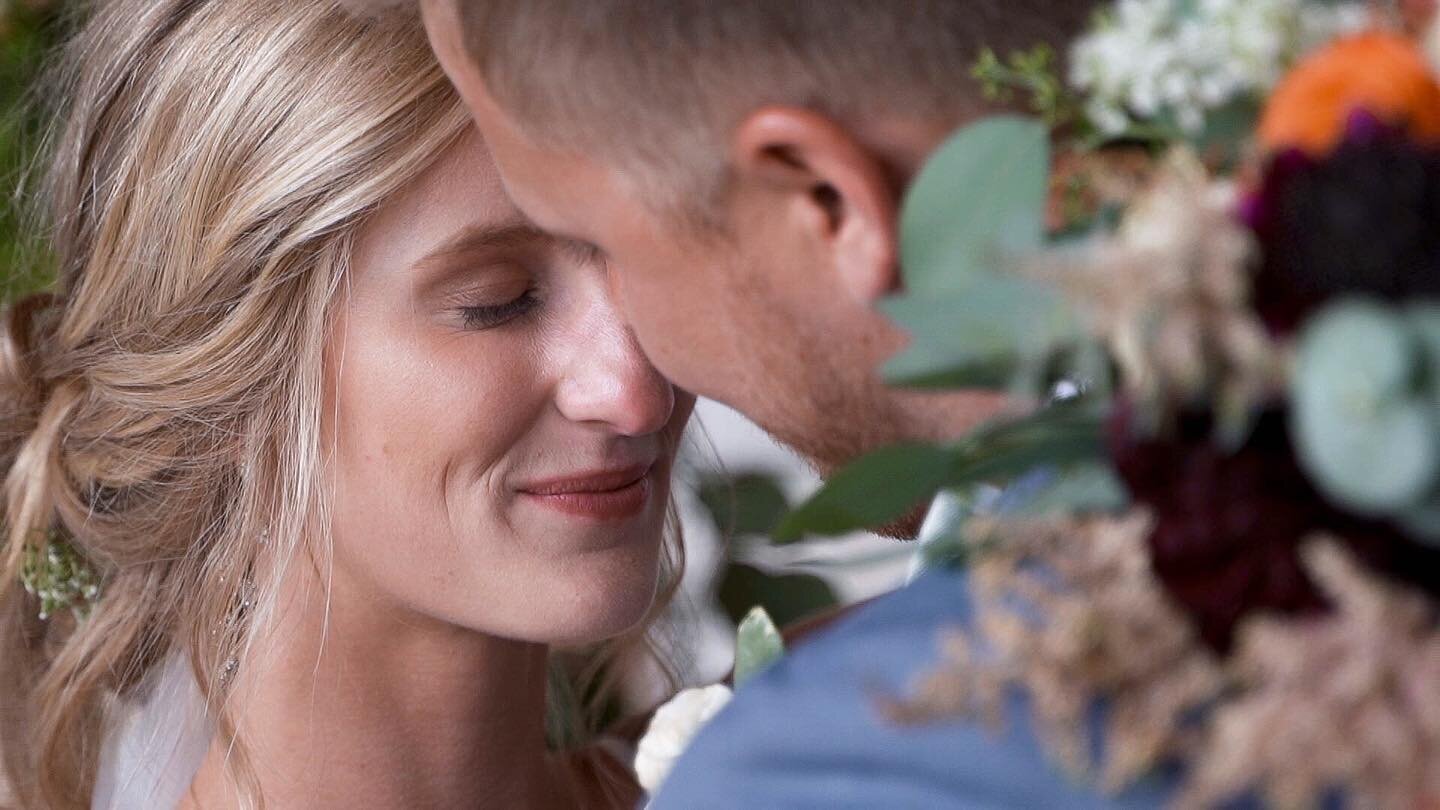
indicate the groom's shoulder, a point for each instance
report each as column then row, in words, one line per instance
column 806, row 731
column 809, row 731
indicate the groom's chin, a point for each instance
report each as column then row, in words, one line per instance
column 835, row 458
column 846, row 434
column 904, row 528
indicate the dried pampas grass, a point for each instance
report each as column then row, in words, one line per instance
column 1068, row 611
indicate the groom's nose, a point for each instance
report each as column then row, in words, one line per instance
column 608, row 380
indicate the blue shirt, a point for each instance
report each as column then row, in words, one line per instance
column 807, row 734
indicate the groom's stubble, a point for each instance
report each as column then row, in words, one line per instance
column 819, row 389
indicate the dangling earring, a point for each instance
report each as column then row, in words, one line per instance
column 228, row 670
column 242, row 612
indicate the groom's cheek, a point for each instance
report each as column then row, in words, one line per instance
column 615, row 286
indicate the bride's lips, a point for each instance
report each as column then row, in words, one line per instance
column 613, row 494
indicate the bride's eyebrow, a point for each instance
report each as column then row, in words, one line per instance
column 473, row 239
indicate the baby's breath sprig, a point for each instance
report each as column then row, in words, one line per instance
column 1035, row 73
column 55, row 573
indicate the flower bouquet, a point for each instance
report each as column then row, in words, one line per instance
column 1210, row 269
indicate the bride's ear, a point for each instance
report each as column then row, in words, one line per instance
column 833, row 186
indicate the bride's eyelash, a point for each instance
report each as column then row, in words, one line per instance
column 491, row 316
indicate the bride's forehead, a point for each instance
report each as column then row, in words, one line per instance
column 461, row 190
column 464, row 169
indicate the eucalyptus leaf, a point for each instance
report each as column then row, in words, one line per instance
column 757, row 645
column 998, row 322
column 876, row 489
column 1359, row 348
column 1376, row 465
column 1362, row 430
column 980, row 197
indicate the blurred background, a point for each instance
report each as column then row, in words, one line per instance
column 734, row 485
column 733, row 482
column 29, row 29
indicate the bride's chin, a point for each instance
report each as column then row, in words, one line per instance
column 602, row 600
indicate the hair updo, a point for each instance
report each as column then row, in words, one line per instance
column 160, row 411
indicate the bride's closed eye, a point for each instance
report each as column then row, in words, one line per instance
column 488, row 316
column 485, row 294
column 487, row 275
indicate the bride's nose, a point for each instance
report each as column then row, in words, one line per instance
column 609, row 380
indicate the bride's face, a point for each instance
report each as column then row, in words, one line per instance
column 502, row 449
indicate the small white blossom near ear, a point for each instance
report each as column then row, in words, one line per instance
column 1169, row 61
column 672, row 728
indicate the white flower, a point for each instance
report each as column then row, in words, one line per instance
column 672, row 728
column 1110, row 119
column 1190, row 118
column 1164, row 60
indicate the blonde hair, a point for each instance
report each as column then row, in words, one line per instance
column 162, row 411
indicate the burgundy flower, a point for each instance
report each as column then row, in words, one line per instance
column 1361, row 220
column 1229, row 524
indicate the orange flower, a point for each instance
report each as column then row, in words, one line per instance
column 1383, row 74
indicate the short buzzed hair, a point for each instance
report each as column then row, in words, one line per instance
column 656, row 85
column 376, row 8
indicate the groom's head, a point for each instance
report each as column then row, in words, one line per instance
column 740, row 164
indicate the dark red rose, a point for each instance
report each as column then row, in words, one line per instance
column 1362, row 220
column 1229, row 524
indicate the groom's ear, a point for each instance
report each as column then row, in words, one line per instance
column 831, row 185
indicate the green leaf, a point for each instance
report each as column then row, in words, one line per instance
column 745, row 504
column 1360, row 348
column 1087, row 488
column 1373, row 465
column 996, row 323
column 884, row 486
column 1362, row 430
column 920, row 372
column 757, row 645
column 788, row 598
column 873, row 491
column 980, row 197
column 1033, row 73
column 1058, row 436
column 30, row 32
